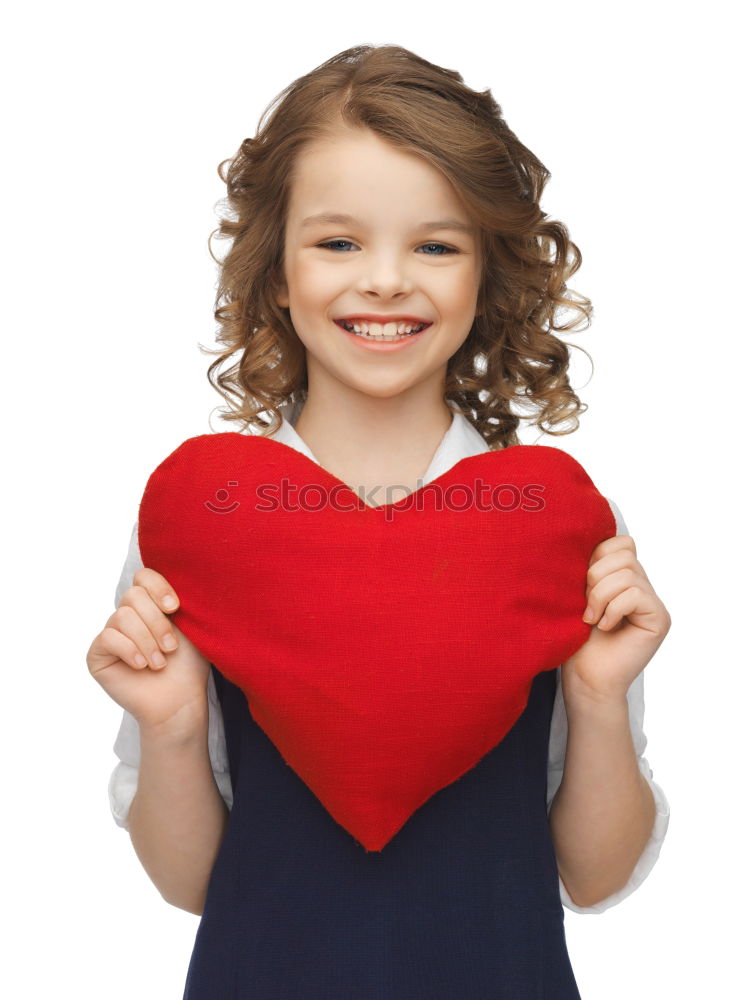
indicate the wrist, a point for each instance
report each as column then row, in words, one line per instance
column 183, row 731
column 580, row 699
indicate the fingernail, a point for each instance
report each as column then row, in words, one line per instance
column 588, row 614
column 169, row 602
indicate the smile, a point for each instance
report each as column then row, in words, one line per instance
column 377, row 338
column 384, row 332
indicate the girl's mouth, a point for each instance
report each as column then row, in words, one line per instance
column 380, row 339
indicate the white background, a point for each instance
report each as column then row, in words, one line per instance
column 115, row 119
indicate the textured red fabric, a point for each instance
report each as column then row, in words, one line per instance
column 386, row 650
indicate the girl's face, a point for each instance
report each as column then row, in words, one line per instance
column 406, row 249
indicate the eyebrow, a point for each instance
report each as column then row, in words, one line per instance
column 341, row 219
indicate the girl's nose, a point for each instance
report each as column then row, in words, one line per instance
column 386, row 276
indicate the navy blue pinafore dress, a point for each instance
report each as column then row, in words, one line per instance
column 462, row 904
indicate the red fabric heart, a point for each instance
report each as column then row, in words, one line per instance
column 383, row 650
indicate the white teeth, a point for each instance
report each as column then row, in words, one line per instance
column 391, row 329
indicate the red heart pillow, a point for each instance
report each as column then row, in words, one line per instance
column 383, row 650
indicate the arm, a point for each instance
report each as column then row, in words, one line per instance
column 555, row 770
column 610, row 817
column 156, row 770
column 604, row 812
column 178, row 817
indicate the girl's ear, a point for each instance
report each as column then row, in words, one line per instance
column 281, row 293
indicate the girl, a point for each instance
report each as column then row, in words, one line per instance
column 382, row 196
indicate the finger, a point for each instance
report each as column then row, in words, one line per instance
column 622, row 558
column 120, row 645
column 157, row 587
column 625, row 603
column 158, row 623
column 140, row 620
column 612, row 545
column 608, row 588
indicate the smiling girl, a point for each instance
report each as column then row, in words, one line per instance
column 405, row 252
column 391, row 294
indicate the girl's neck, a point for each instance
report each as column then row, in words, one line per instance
column 371, row 443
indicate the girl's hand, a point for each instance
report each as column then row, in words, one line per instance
column 630, row 623
column 123, row 659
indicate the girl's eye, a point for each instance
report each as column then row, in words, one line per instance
column 442, row 246
column 331, row 243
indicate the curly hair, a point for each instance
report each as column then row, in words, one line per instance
column 511, row 354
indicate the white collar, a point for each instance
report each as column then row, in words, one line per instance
column 461, row 440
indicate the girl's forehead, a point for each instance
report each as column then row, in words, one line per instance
column 362, row 143
column 339, row 179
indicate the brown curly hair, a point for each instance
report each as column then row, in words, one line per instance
column 510, row 354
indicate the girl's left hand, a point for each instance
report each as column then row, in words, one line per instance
column 629, row 623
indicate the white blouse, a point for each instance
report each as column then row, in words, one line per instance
column 460, row 441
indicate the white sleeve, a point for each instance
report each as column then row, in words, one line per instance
column 556, row 760
column 123, row 781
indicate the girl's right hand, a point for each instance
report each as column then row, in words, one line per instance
column 171, row 698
